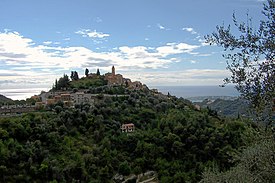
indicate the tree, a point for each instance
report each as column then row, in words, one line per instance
column 97, row 72
column 56, row 83
column 63, row 82
column 86, row 72
column 250, row 59
column 124, row 168
column 254, row 164
column 74, row 76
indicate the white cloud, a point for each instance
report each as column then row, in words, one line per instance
column 187, row 77
column 92, row 34
column 189, row 29
column 98, row 20
column 47, row 42
column 24, row 60
column 21, row 51
column 174, row 48
column 160, row 27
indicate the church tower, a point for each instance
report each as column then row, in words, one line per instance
column 113, row 71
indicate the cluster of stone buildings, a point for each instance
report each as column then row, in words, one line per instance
column 68, row 98
column 117, row 79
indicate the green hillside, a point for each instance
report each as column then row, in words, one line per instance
column 86, row 144
column 5, row 100
column 230, row 108
column 86, row 83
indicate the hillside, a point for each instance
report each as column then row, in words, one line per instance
column 86, row 83
column 86, row 143
column 5, row 100
column 230, row 108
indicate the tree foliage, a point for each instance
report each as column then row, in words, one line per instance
column 250, row 58
column 86, row 72
column 74, row 76
column 255, row 164
column 85, row 143
column 97, row 72
column 62, row 83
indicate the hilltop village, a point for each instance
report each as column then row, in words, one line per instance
column 78, row 91
column 81, row 95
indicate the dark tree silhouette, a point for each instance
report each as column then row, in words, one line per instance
column 250, row 59
column 86, row 72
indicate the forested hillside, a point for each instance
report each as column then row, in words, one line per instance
column 85, row 143
column 231, row 108
column 5, row 100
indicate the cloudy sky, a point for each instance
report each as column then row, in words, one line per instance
column 159, row 42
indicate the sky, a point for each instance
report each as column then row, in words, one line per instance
column 158, row 42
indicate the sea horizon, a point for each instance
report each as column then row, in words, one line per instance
column 21, row 93
column 178, row 91
column 198, row 91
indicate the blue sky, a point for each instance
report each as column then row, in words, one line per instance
column 155, row 41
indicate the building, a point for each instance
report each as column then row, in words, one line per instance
column 36, row 98
column 128, row 128
column 113, row 78
column 39, row 105
column 57, row 98
column 78, row 97
column 81, row 98
column 50, row 101
column 117, row 79
column 135, row 85
column 65, row 97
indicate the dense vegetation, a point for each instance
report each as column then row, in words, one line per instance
column 86, row 83
column 250, row 59
column 249, row 55
column 64, row 83
column 5, row 100
column 86, row 143
column 230, row 108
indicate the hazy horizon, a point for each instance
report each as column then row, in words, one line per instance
column 178, row 91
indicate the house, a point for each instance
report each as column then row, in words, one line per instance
column 78, row 97
column 36, row 98
column 130, row 127
column 57, row 98
column 50, row 102
column 135, row 85
column 81, row 98
column 65, row 97
column 39, row 105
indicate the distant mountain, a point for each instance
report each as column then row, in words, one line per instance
column 4, row 99
column 231, row 108
column 202, row 98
